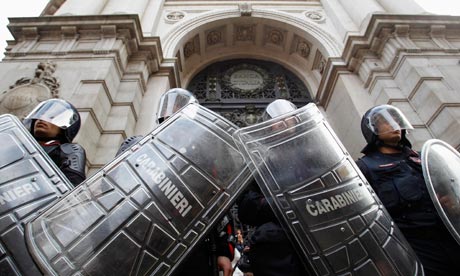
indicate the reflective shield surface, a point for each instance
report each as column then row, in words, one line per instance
column 441, row 170
column 143, row 212
column 320, row 196
column 29, row 180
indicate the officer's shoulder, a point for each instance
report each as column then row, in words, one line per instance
column 72, row 148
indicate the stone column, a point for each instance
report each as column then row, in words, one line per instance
column 156, row 86
column 126, row 7
column 81, row 7
column 359, row 10
column 339, row 17
column 401, row 7
column 149, row 23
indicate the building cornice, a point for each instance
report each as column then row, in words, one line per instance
column 104, row 28
column 386, row 39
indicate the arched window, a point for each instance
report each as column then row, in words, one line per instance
column 241, row 89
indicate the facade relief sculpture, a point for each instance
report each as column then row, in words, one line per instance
column 27, row 92
column 174, row 16
column 316, row 16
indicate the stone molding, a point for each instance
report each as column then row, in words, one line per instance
column 387, row 39
column 184, row 28
column 68, row 30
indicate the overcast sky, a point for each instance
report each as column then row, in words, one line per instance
column 24, row 8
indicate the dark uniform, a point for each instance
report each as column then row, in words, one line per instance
column 398, row 180
column 271, row 252
column 203, row 259
column 69, row 157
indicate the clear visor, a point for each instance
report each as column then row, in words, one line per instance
column 277, row 108
column 387, row 118
column 171, row 102
column 56, row 112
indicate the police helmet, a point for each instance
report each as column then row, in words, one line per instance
column 378, row 116
column 173, row 100
column 277, row 108
column 57, row 112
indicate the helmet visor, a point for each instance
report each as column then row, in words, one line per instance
column 56, row 112
column 173, row 101
column 277, row 108
column 387, row 118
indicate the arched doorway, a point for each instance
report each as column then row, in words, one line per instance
column 240, row 89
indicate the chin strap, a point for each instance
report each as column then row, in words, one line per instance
column 49, row 142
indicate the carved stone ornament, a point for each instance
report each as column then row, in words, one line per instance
column 303, row 49
column 26, row 93
column 315, row 16
column 245, row 32
column 245, row 9
column 246, row 78
column 192, row 47
column 276, row 37
column 214, row 37
column 22, row 99
column 174, row 16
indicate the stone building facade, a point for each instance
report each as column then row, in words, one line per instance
column 113, row 59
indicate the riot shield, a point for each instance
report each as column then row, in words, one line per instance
column 145, row 211
column 441, row 170
column 29, row 180
column 321, row 198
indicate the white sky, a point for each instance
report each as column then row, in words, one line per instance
column 25, row 8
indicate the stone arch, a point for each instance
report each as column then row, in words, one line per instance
column 318, row 43
column 331, row 46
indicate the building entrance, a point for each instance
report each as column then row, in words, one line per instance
column 240, row 89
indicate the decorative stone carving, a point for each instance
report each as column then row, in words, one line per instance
column 192, row 47
column 245, row 32
column 315, row 16
column 303, row 49
column 214, row 37
column 245, row 9
column 275, row 37
column 321, row 66
column 300, row 46
column 319, row 62
column 26, row 93
column 174, row 16
column 246, row 79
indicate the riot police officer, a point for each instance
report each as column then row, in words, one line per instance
column 271, row 253
column 216, row 251
column 394, row 171
column 170, row 102
column 54, row 124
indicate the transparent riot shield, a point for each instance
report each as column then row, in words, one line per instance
column 322, row 199
column 441, row 170
column 29, row 180
column 144, row 212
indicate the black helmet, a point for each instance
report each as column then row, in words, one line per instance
column 277, row 108
column 173, row 100
column 57, row 112
column 389, row 115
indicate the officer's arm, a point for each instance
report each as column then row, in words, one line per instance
column 364, row 169
column 129, row 142
column 73, row 158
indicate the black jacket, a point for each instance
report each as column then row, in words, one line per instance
column 398, row 181
column 70, row 158
column 271, row 252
